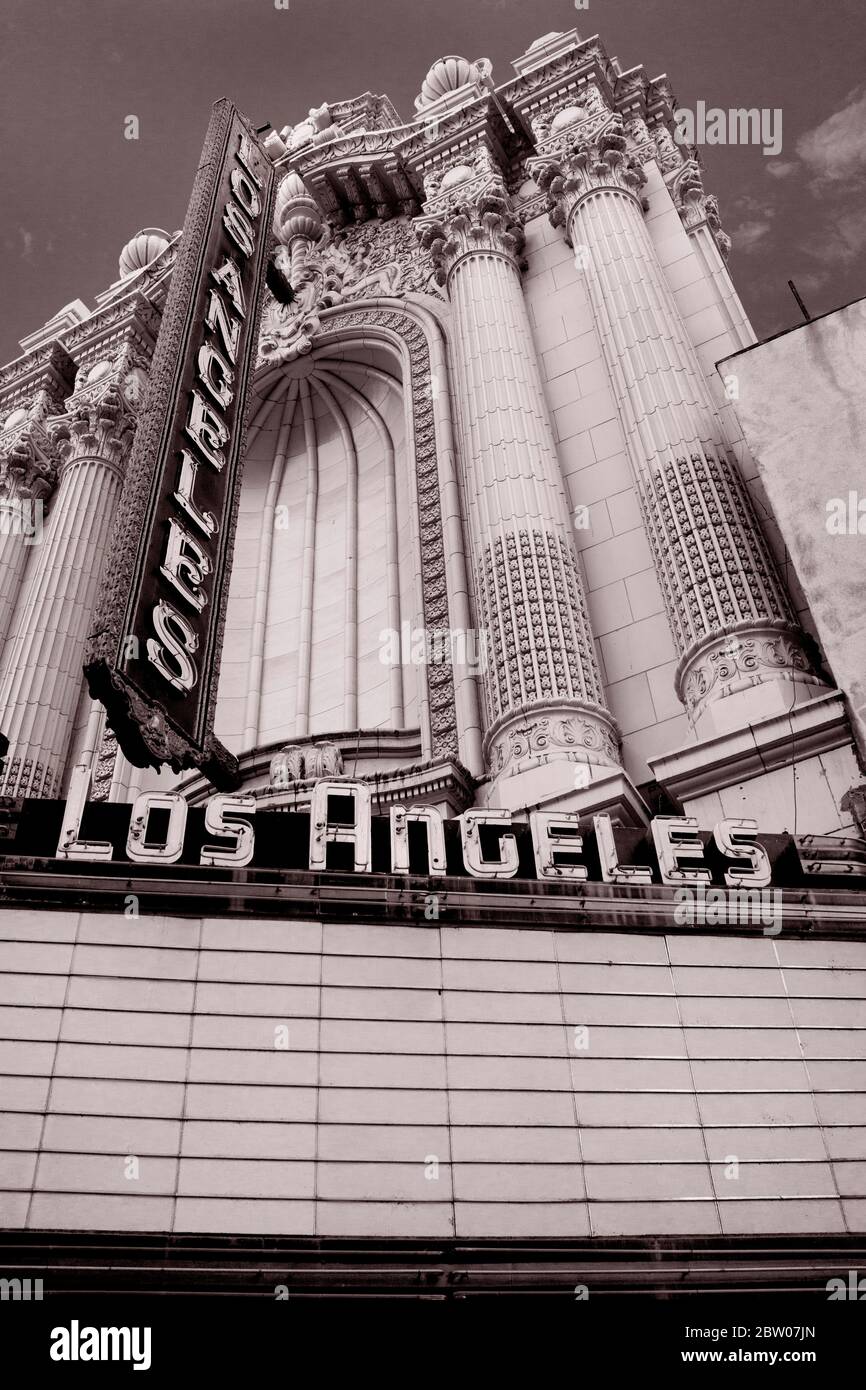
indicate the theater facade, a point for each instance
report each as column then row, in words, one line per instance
column 479, row 904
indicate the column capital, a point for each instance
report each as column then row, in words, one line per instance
column 28, row 465
column 36, row 389
column 486, row 223
column 584, row 167
column 99, row 424
column 696, row 207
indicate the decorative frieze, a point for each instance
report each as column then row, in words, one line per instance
column 552, row 731
column 365, row 262
column 744, row 655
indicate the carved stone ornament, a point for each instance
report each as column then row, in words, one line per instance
column 744, row 656
column 35, row 779
column 99, row 424
column 488, row 223
column 28, row 466
column 532, row 577
column 696, row 207
column 103, row 771
column 299, row 762
column 368, row 261
column 584, row 167
column 551, row 732
column 715, row 569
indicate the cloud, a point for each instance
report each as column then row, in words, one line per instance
column 844, row 240
column 781, row 168
column 836, row 149
column 746, row 203
column 810, row 282
column 747, row 236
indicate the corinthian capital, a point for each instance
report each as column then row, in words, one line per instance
column 695, row 206
column 584, row 167
column 27, row 466
column 100, row 424
column 486, row 223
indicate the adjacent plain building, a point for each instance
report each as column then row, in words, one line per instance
column 502, row 547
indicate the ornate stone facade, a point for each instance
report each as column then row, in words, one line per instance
column 485, row 411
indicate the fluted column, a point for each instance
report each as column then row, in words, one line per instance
column 729, row 612
column 27, row 478
column 31, row 389
column 543, row 692
column 41, row 679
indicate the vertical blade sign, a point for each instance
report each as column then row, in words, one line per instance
column 154, row 650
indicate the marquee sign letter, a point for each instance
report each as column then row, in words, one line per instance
column 165, row 584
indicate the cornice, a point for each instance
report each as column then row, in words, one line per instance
column 131, row 320
column 49, row 368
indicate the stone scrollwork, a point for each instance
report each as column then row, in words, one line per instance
column 485, row 223
column 28, row 467
column 694, row 205
column 742, row 657
column 369, row 260
column 585, row 166
column 104, row 764
column 547, row 731
column 99, row 424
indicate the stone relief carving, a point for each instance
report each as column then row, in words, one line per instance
column 299, row 762
column 103, row 771
column 728, row 608
column 708, row 546
column 732, row 662
column 671, row 154
column 472, row 224
column 367, row 261
column 534, row 573
column 28, row 467
column 694, row 205
column 99, row 424
column 581, row 165
column 542, row 736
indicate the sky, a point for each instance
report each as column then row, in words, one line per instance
column 75, row 189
